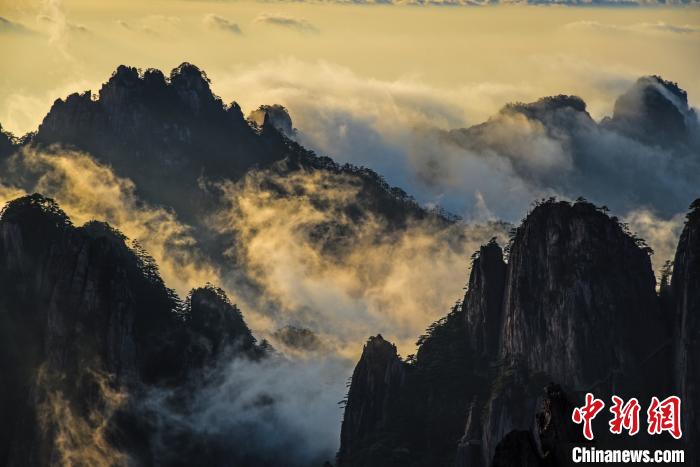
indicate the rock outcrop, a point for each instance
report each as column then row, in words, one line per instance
column 85, row 324
column 655, row 110
column 7, row 144
column 574, row 310
column 375, row 386
column 483, row 301
column 685, row 289
column 277, row 115
column 176, row 140
column 580, row 302
column 161, row 133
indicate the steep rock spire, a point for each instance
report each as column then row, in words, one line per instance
column 685, row 286
column 375, row 385
column 483, row 301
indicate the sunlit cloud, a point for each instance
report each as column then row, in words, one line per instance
column 324, row 270
column 87, row 190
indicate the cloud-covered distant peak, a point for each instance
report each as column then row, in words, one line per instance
column 286, row 21
column 219, row 22
column 645, row 154
column 553, row 110
column 655, row 111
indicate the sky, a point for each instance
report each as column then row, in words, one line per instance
column 475, row 58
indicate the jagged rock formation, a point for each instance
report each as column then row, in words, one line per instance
column 277, row 115
column 482, row 303
column 575, row 305
column 7, row 144
column 685, row 289
column 85, row 324
column 656, row 111
column 376, row 385
column 171, row 130
column 185, row 151
column 578, row 288
column 175, row 139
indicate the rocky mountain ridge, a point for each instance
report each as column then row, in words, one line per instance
column 574, row 310
column 87, row 325
column 170, row 134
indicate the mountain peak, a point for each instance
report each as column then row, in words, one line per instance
column 192, row 85
column 548, row 104
column 212, row 315
column 35, row 211
column 124, row 76
column 275, row 115
column 573, row 263
column 482, row 302
column 375, row 386
column 654, row 110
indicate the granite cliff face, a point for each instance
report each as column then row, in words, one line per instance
column 580, row 302
column 574, row 310
column 657, row 111
column 685, row 286
column 86, row 325
column 482, row 304
column 376, row 385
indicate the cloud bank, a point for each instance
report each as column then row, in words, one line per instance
column 243, row 410
column 321, row 258
column 286, row 21
column 493, row 170
column 659, row 27
column 219, row 22
column 87, row 190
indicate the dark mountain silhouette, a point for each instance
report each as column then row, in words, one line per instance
column 685, row 303
column 574, row 310
column 169, row 134
column 7, row 144
column 180, row 145
column 87, row 325
column 656, row 111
